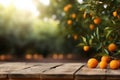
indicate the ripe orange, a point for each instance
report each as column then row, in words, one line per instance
column 112, row 47
column 103, row 65
column 97, row 20
column 73, row 15
column 69, row 22
column 84, row 15
column 115, row 13
column 86, row 48
column 35, row 56
column 67, row 7
column 119, row 62
column 75, row 37
column 92, row 63
column 105, row 59
column 2, row 57
column 91, row 26
column 28, row 56
column 114, row 64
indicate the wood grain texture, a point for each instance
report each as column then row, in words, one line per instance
column 8, row 67
column 86, row 73
column 113, row 74
column 31, row 73
column 63, row 72
column 55, row 71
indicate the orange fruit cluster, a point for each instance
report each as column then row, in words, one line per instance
column 105, row 62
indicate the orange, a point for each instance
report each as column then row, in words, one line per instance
column 69, row 22
column 2, row 57
column 97, row 20
column 60, row 56
column 55, row 56
column 67, row 7
column 75, row 37
column 115, row 13
column 92, row 63
column 35, row 56
column 105, row 59
column 86, row 48
column 119, row 62
column 112, row 47
column 118, row 16
column 103, row 65
column 91, row 26
column 84, row 15
column 73, row 15
column 114, row 64
column 28, row 56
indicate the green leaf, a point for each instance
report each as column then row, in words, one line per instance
column 81, row 44
column 84, row 39
column 97, row 33
column 107, row 28
column 99, row 46
column 90, row 41
column 108, row 34
column 106, row 51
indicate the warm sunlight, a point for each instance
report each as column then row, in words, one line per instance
column 45, row 2
column 24, row 4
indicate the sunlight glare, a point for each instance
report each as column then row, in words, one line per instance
column 45, row 2
column 27, row 5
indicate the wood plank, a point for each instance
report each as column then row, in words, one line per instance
column 86, row 73
column 63, row 72
column 32, row 73
column 8, row 67
column 113, row 74
column 5, row 68
column 3, row 76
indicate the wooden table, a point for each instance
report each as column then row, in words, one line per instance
column 54, row 71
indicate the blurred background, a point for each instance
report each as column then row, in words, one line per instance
column 59, row 30
column 30, row 30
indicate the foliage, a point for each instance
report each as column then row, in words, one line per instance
column 21, row 31
column 76, row 16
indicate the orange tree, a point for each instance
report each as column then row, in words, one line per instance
column 91, row 24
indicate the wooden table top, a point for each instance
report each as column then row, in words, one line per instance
column 54, row 71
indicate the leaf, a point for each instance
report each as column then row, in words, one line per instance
column 97, row 33
column 107, row 28
column 99, row 54
column 113, row 22
column 99, row 46
column 108, row 34
column 81, row 44
column 106, row 51
column 90, row 41
column 84, row 39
